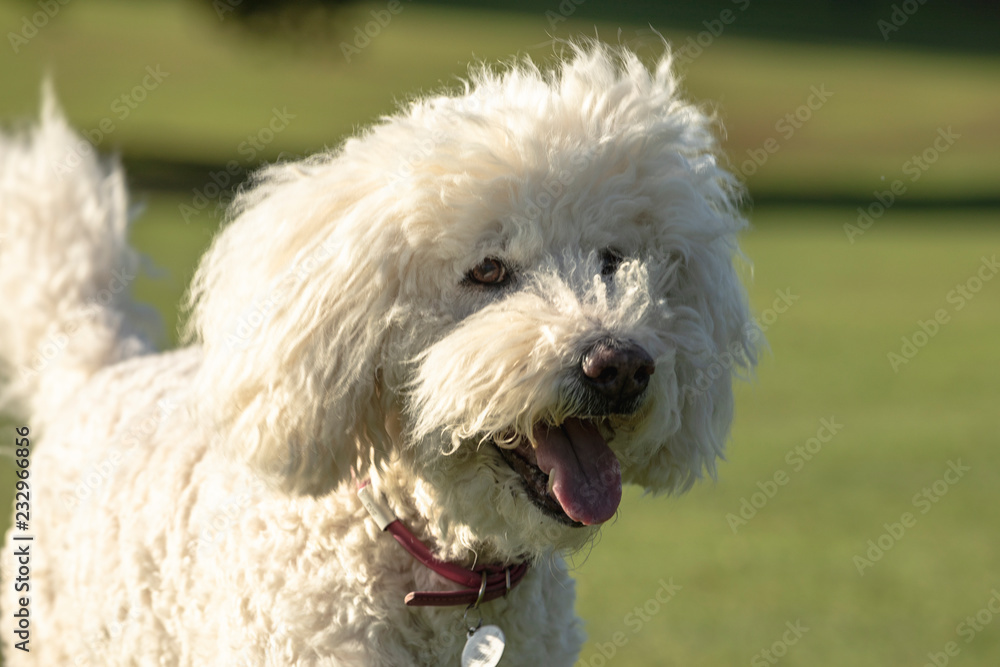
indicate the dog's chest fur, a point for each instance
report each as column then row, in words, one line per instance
column 244, row 571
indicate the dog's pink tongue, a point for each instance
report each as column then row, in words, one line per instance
column 585, row 476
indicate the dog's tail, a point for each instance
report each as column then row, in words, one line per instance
column 65, row 267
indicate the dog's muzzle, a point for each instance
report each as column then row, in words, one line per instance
column 568, row 470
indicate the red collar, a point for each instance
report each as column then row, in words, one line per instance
column 482, row 583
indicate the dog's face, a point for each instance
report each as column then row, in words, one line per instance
column 520, row 297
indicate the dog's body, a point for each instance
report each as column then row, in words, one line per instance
column 495, row 307
column 192, row 561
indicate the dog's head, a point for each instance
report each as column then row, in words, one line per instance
column 502, row 304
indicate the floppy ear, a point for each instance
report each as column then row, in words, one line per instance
column 711, row 335
column 714, row 342
column 291, row 306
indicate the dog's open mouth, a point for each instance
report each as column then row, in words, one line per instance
column 570, row 473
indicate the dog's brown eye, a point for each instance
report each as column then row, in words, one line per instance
column 611, row 259
column 491, row 271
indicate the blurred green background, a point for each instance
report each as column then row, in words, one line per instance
column 917, row 106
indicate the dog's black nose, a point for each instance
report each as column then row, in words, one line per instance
column 617, row 370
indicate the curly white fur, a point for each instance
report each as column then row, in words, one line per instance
column 196, row 507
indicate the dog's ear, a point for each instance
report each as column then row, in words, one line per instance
column 712, row 341
column 291, row 306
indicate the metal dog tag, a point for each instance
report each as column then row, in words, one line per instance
column 484, row 647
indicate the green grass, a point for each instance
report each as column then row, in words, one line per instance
column 223, row 85
column 793, row 561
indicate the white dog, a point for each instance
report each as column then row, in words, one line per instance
column 488, row 312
